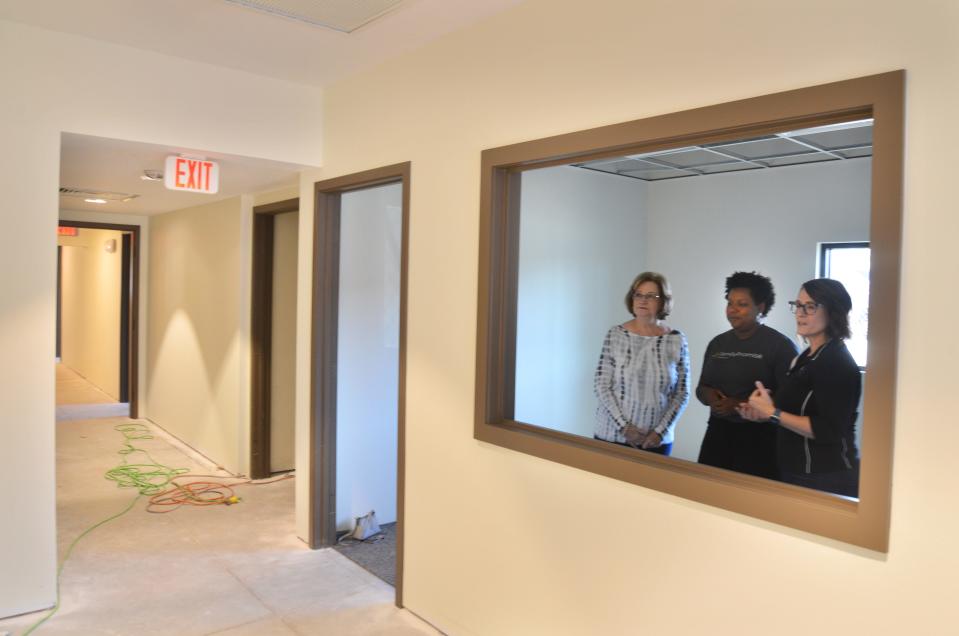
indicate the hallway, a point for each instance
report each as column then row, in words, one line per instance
column 218, row 569
column 78, row 399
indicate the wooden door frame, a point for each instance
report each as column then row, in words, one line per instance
column 129, row 345
column 326, row 266
column 261, row 334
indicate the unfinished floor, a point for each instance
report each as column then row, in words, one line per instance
column 227, row 570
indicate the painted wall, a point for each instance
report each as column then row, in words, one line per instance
column 51, row 83
column 144, row 224
column 524, row 548
column 367, row 372
column 90, row 307
column 198, row 339
column 582, row 241
column 283, row 361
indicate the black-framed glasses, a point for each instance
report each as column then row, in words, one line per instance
column 807, row 309
column 641, row 296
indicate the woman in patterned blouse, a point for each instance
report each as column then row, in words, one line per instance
column 641, row 378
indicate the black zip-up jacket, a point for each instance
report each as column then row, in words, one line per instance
column 825, row 387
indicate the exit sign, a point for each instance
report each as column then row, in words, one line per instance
column 191, row 175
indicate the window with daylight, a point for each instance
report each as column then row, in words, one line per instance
column 849, row 264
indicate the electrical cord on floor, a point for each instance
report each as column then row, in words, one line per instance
column 148, row 478
column 203, row 493
column 155, row 479
column 66, row 556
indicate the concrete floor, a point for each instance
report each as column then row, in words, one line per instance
column 227, row 570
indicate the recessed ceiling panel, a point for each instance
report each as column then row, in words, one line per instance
column 856, row 152
column 692, row 158
column 656, row 175
column 811, row 157
column 341, row 15
column 861, row 136
column 730, row 167
column 775, row 147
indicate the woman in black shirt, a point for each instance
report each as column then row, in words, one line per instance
column 734, row 361
column 816, row 406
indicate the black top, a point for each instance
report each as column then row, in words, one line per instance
column 732, row 365
column 825, row 387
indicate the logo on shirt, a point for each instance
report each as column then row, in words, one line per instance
column 726, row 355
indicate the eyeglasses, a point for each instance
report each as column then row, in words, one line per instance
column 807, row 309
column 639, row 296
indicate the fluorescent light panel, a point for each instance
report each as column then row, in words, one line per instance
column 341, row 15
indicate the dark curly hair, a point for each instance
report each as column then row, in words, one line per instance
column 760, row 288
column 831, row 295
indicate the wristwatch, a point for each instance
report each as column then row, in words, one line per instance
column 774, row 418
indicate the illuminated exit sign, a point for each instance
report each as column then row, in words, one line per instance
column 191, row 175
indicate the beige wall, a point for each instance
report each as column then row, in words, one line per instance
column 531, row 547
column 51, row 83
column 144, row 224
column 283, row 364
column 90, row 307
column 197, row 341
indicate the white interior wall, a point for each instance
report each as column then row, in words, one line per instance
column 283, row 342
column 582, row 241
column 90, row 307
column 702, row 229
column 559, row 66
column 367, row 370
column 54, row 82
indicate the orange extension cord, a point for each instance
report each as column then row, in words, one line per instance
column 202, row 493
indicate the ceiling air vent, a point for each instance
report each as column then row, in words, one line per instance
column 345, row 16
column 81, row 193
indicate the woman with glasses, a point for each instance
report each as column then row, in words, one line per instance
column 734, row 361
column 641, row 377
column 815, row 409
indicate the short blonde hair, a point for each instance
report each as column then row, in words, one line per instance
column 665, row 293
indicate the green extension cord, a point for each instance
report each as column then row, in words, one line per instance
column 149, row 479
column 66, row 556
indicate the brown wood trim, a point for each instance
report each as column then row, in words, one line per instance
column 326, row 250
column 864, row 523
column 326, row 224
column 261, row 334
column 126, row 252
column 133, row 382
column 261, row 345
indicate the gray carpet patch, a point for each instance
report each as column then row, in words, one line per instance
column 377, row 554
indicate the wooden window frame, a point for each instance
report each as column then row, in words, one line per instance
column 864, row 522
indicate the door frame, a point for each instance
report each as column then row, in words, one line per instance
column 261, row 334
column 129, row 295
column 323, row 350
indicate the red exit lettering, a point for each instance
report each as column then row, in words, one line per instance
column 195, row 175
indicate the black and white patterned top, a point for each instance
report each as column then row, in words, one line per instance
column 641, row 380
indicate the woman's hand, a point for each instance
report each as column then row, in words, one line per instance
column 723, row 404
column 634, row 437
column 749, row 413
column 760, row 406
column 653, row 440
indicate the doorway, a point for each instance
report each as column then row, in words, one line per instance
column 273, row 346
column 97, row 314
column 354, row 356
